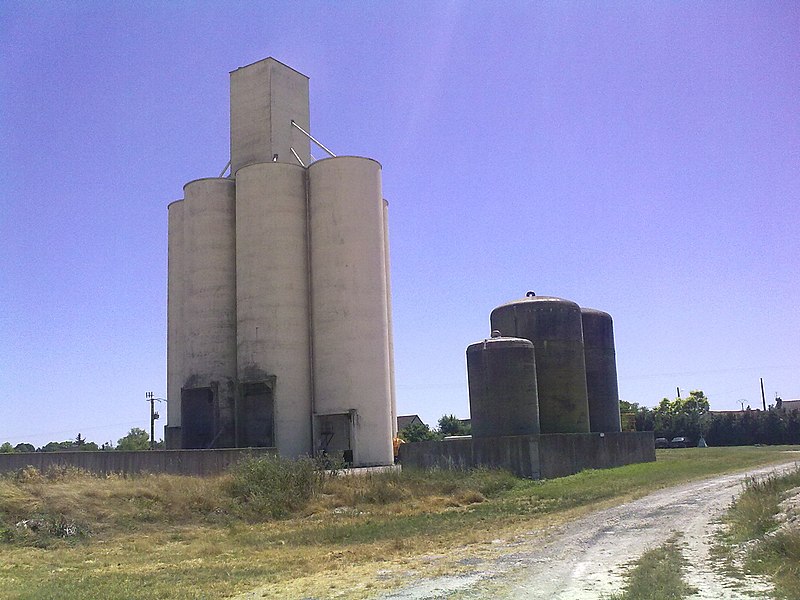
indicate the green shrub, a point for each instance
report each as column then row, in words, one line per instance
column 274, row 486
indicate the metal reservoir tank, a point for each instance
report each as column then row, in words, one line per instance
column 502, row 387
column 175, row 321
column 272, row 308
column 208, row 363
column 349, row 310
column 554, row 326
column 601, row 370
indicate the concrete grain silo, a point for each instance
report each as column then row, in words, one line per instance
column 208, row 359
column 601, row 370
column 175, row 328
column 503, row 399
column 352, row 388
column 272, row 306
column 554, row 326
column 279, row 316
column 390, row 338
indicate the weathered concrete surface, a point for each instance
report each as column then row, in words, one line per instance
column 177, row 462
column 601, row 370
column 266, row 97
column 554, row 326
column 502, row 387
column 350, row 318
column 536, row 456
column 272, row 329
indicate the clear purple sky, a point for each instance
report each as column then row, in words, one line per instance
column 642, row 158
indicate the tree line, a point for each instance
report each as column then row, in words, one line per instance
column 136, row 439
column 691, row 417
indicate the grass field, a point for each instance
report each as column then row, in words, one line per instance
column 161, row 536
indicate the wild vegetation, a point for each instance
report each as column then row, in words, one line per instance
column 288, row 528
column 657, row 575
column 763, row 532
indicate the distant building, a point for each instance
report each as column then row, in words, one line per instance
column 404, row 421
column 790, row 405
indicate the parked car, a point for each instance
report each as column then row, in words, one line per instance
column 679, row 442
column 662, row 443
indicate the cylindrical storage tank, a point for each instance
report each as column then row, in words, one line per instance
column 272, row 296
column 349, row 303
column 554, row 327
column 388, row 271
column 502, row 387
column 601, row 370
column 209, row 293
column 175, row 323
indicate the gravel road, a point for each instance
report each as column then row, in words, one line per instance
column 585, row 559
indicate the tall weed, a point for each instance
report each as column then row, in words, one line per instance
column 770, row 550
column 274, row 486
column 752, row 514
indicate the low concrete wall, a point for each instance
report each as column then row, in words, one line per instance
column 568, row 453
column 534, row 456
column 178, row 462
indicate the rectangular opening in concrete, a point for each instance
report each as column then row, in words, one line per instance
column 197, row 415
column 256, row 414
column 334, row 435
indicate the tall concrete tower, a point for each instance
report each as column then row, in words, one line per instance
column 265, row 98
column 279, row 318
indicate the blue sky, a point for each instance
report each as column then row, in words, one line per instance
column 642, row 158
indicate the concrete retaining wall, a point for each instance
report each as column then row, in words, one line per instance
column 534, row 456
column 177, row 462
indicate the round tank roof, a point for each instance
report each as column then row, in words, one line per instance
column 339, row 157
column 501, row 342
column 595, row 312
column 268, row 164
column 193, row 181
column 553, row 300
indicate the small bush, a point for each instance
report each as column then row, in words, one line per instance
column 274, row 486
column 66, row 473
column 43, row 530
column 28, row 474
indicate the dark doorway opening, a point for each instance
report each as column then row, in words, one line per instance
column 197, row 417
column 256, row 414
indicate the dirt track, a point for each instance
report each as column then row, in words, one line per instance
column 586, row 558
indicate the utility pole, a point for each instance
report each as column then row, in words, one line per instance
column 151, row 397
column 763, row 398
column 678, row 389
